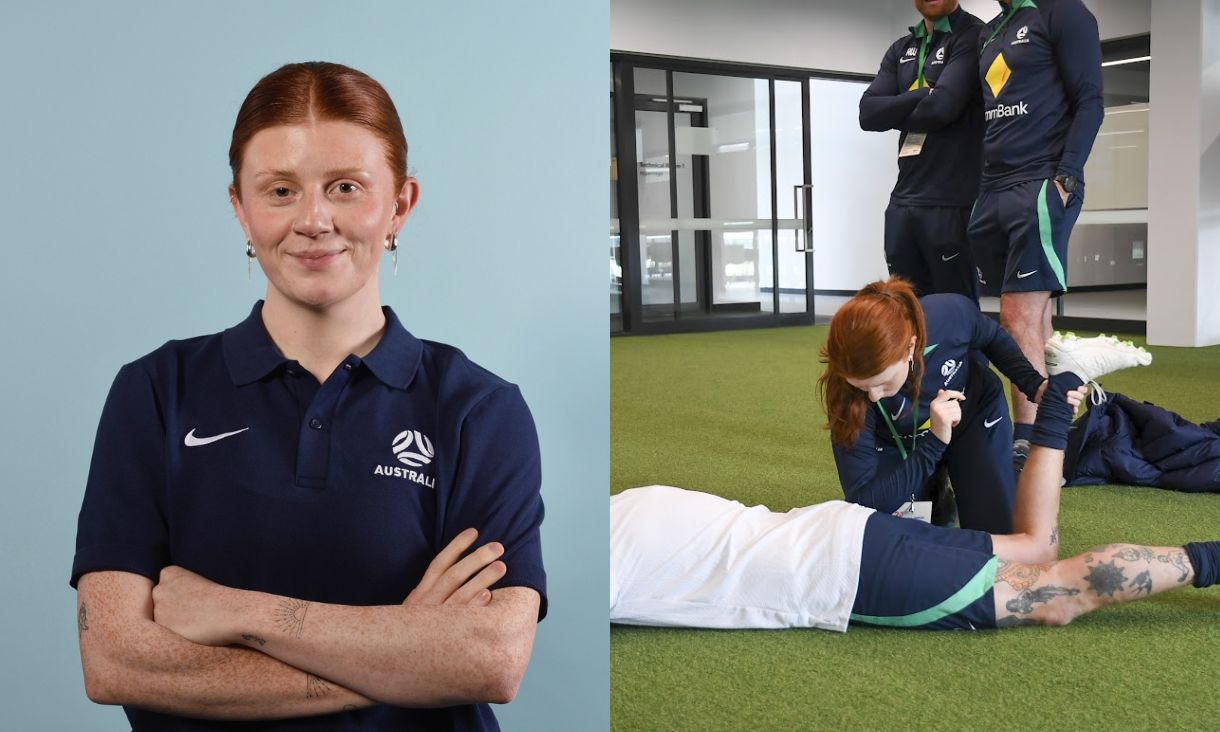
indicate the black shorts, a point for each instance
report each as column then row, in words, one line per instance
column 928, row 246
column 915, row 575
column 1019, row 237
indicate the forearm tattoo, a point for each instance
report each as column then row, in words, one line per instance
column 1055, row 534
column 290, row 616
column 255, row 638
column 82, row 619
column 315, row 687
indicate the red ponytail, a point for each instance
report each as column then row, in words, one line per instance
column 870, row 333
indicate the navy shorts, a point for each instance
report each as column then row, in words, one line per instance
column 915, row 575
column 928, row 246
column 1019, row 237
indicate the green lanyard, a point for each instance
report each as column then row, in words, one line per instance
column 1011, row 12
column 920, row 81
column 914, row 427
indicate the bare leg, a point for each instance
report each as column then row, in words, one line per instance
column 1026, row 317
column 1055, row 593
column 1035, row 523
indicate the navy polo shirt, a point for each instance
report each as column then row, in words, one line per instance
column 220, row 455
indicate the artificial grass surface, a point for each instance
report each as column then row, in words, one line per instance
column 737, row 414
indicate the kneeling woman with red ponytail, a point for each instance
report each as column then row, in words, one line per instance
column 909, row 395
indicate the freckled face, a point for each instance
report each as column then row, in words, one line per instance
column 318, row 203
column 885, row 384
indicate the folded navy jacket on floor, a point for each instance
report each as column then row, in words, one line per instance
column 1137, row 443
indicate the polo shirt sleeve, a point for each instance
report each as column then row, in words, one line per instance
column 496, row 487
column 122, row 519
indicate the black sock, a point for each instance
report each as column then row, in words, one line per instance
column 1205, row 558
column 1054, row 413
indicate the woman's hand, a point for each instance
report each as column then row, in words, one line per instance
column 451, row 579
column 946, row 411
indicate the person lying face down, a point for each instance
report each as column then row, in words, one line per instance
column 684, row 558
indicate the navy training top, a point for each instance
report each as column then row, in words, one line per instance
column 220, row 455
column 946, row 172
column 1041, row 82
column 957, row 332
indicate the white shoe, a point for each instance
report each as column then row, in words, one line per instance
column 1092, row 358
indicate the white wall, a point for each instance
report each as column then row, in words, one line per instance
column 1184, row 175
column 832, row 35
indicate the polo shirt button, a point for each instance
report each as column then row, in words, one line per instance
column 315, row 423
column 347, row 366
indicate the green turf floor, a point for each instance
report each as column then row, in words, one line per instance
column 736, row 414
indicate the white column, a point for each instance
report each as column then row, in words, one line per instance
column 1184, row 175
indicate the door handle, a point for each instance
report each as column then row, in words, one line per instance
column 804, row 228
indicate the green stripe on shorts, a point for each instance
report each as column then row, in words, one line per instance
column 1044, row 232
column 976, row 587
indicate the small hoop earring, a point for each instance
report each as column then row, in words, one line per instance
column 391, row 246
column 250, row 255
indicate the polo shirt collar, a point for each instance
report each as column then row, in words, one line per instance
column 1018, row 4
column 942, row 25
column 395, row 358
column 250, row 354
column 249, row 351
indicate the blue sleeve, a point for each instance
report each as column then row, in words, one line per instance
column 496, row 488
column 884, row 106
column 866, row 482
column 956, row 86
column 1000, row 349
column 1077, row 49
column 122, row 520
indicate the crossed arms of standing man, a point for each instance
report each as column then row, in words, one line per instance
column 192, row 647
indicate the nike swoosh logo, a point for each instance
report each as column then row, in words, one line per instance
column 906, row 60
column 192, row 441
column 943, row 258
column 989, row 424
column 894, row 415
column 1023, row 275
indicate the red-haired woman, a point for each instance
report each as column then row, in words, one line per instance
column 277, row 520
column 908, row 391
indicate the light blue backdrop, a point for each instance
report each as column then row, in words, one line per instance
column 116, row 236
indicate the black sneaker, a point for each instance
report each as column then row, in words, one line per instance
column 1020, row 453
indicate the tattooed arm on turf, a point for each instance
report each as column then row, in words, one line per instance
column 452, row 641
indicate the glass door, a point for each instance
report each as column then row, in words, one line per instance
column 709, row 212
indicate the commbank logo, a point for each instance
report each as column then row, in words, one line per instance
column 1006, row 110
column 422, row 453
column 997, row 75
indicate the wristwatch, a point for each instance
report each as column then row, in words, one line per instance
column 1069, row 182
